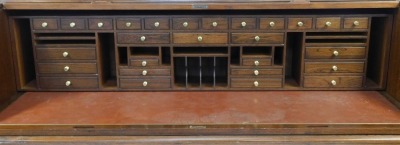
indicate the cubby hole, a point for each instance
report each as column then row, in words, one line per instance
column 166, row 56
column 278, row 55
column 235, row 56
column 122, row 56
column 194, row 72
column 144, row 51
column 72, row 42
column 23, row 47
column 257, row 51
column 200, row 50
column 293, row 59
column 180, row 72
column 107, row 61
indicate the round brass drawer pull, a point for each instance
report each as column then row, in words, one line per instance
column 100, row 24
column 68, row 83
column 144, row 63
column 244, row 24
column 300, row 24
column 65, row 54
column 199, row 38
column 66, row 68
column 44, row 24
column 272, row 24
column 356, row 23
column 257, row 38
column 72, row 24
column 145, row 83
column 333, row 82
column 336, row 53
column 256, row 72
column 143, row 38
column 156, row 24
column 334, row 68
column 256, row 83
column 256, row 63
column 214, row 24
column 185, row 24
column 328, row 24
column 128, row 24
column 144, row 72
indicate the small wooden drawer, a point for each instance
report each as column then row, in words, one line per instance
column 67, row 68
column 150, row 83
column 145, row 72
column 333, row 81
column 68, row 82
column 215, row 23
column 200, row 38
column 256, row 72
column 185, row 23
column 129, row 24
column 156, row 23
column 145, row 62
column 256, row 61
column 101, row 24
column 45, row 24
column 244, row 23
column 356, row 23
column 335, row 52
column 65, row 53
column 272, row 23
column 334, row 67
column 256, row 82
column 73, row 24
column 254, row 38
column 300, row 23
column 143, row 38
column 328, row 23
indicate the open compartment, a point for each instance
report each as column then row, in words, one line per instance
column 194, row 72
column 145, row 51
column 235, row 56
column 166, row 56
column 294, row 59
column 257, row 51
column 278, row 55
column 122, row 56
column 107, row 62
column 203, row 51
column 180, row 72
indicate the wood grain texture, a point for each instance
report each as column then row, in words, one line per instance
column 326, row 81
column 279, row 23
column 321, row 23
column 327, row 52
column 250, row 82
column 134, row 23
column 250, row 23
column 145, row 83
column 52, row 24
column 79, row 24
column 76, row 83
column 150, row 23
column 252, row 61
column 149, row 62
column 327, row 67
column 149, row 38
column 264, row 38
column 261, row 72
column 393, row 85
column 107, row 24
column 293, row 23
column 192, row 23
column 73, row 68
column 149, row 72
column 349, row 23
column 222, row 23
column 74, row 53
column 206, row 38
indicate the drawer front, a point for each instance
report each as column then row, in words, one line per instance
column 45, row 24
column 256, row 72
column 300, row 23
column 66, row 53
column 334, row 67
column 215, row 23
column 335, row 52
column 333, row 81
column 143, row 38
column 145, row 72
column 256, row 83
column 243, row 23
column 256, row 61
column 144, row 62
column 151, row 83
column 156, row 23
column 68, row 83
column 67, row 68
column 73, row 24
column 129, row 24
column 328, row 23
column 200, row 38
column 356, row 23
column 272, row 23
column 185, row 23
column 254, row 38
column 101, row 24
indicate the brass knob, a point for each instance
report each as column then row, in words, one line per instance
column 334, row 68
column 128, row 24
column 256, row 83
column 199, row 38
column 156, row 24
column 66, row 68
column 328, row 24
column 272, row 24
column 145, row 83
column 336, row 53
column 44, row 24
column 144, row 63
column 100, row 24
column 333, row 82
column 214, row 24
column 68, row 83
column 72, row 24
column 256, row 72
column 300, row 24
column 257, row 38
column 185, row 24
column 243, row 24
column 143, row 38
column 256, row 63
column 356, row 23
column 65, row 54
column 144, row 72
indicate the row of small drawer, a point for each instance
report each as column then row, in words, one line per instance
column 190, row 23
column 196, row 38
